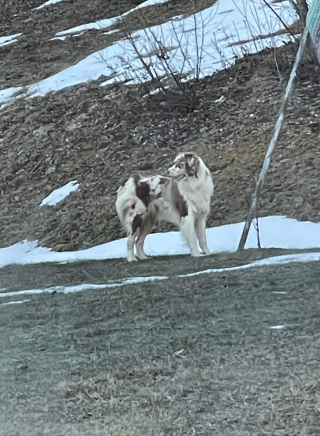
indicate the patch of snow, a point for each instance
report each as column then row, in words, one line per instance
column 109, row 32
column 62, row 38
column 60, row 194
column 82, row 287
column 278, row 327
column 8, row 42
column 5, row 40
column 134, row 280
column 48, row 3
column 275, row 232
column 152, row 92
column 108, row 22
column 206, row 42
column 270, row 261
column 6, row 95
column 275, row 261
column 63, row 289
column 101, row 24
column 14, row 302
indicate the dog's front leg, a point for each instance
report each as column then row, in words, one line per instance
column 188, row 230
column 200, row 228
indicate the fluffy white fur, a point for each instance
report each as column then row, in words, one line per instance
column 183, row 199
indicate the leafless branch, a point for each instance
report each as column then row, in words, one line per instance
column 280, row 19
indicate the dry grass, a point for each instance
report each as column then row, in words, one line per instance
column 182, row 357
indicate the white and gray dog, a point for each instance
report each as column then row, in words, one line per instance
column 183, row 199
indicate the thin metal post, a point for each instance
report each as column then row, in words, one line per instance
column 276, row 132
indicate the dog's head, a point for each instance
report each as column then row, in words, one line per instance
column 185, row 164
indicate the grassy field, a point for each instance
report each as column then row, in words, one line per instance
column 185, row 356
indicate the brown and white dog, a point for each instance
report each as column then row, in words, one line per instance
column 183, row 199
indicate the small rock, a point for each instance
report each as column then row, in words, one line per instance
column 51, row 170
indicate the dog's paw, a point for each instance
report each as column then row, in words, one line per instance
column 195, row 254
column 143, row 257
column 132, row 259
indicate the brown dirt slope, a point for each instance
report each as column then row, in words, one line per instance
column 98, row 135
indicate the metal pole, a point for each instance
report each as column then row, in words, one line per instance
column 276, row 132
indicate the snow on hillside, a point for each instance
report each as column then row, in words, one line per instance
column 60, row 194
column 6, row 94
column 197, row 45
column 48, row 3
column 108, row 22
column 275, row 232
column 6, row 40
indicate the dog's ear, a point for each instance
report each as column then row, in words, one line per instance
column 192, row 164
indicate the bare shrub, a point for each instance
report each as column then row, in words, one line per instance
column 167, row 60
column 171, row 59
column 301, row 8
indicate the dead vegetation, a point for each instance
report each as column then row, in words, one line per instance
column 185, row 357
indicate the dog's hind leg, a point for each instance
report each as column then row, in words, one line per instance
column 200, row 228
column 188, row 231
column 133, row 231
column 130, row 248
column 145, row 229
